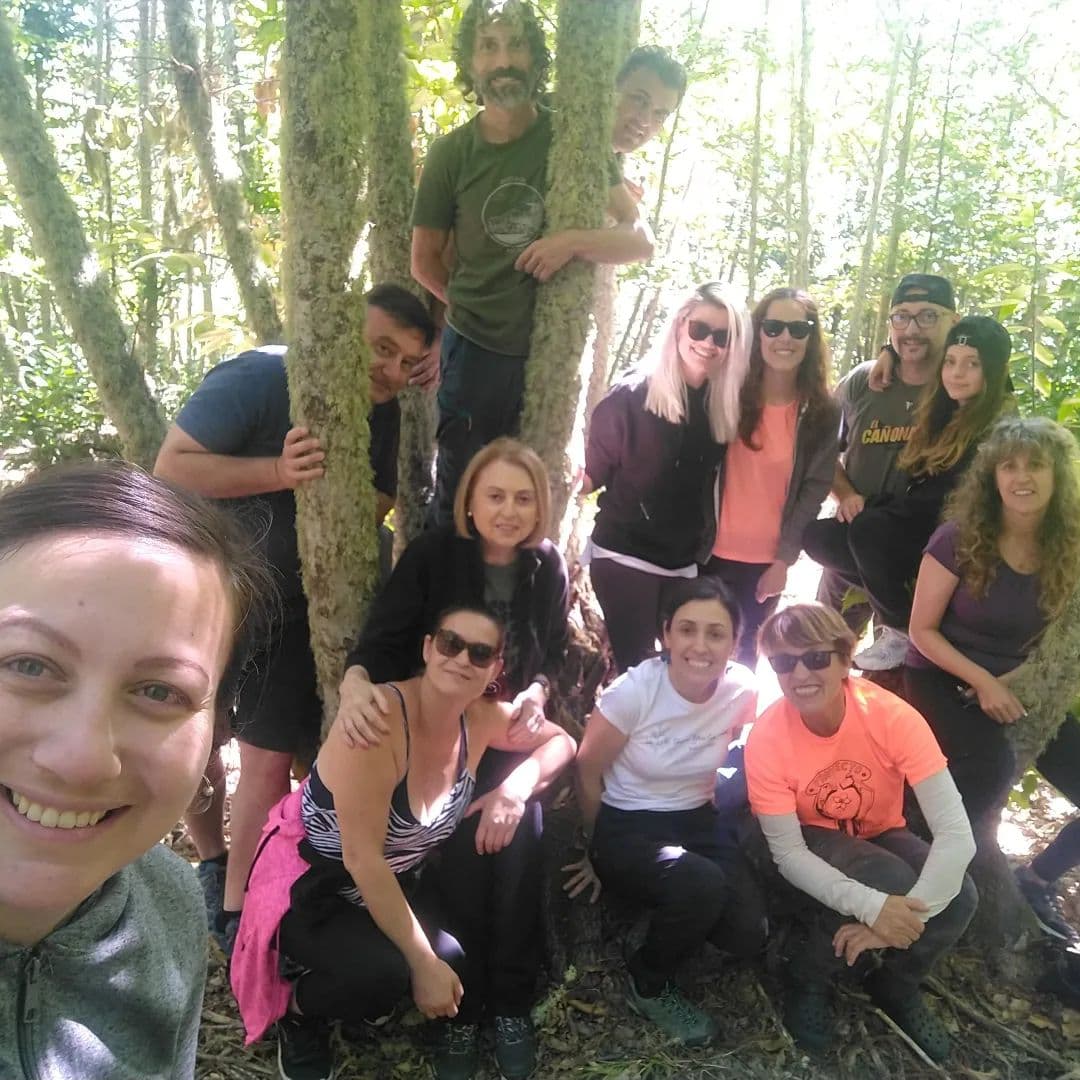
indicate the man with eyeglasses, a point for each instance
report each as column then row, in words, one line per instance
column 875, row 426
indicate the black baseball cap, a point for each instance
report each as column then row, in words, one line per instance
column 986, row 336
column 929, row 288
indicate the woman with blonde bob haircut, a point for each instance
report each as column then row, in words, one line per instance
column 654, row 446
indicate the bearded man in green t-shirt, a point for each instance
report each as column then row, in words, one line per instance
column 485, row 183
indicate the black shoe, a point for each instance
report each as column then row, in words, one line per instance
column 515, row 1047
column 913, row 1016
column 303, row 1049
column 809, row 1015
column 1044, row 903
column 456, row 1052
column 226, row 927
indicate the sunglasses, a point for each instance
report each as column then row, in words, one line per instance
column 699, row 331
column 814, row 660
column 798, row 329
column 481, row 654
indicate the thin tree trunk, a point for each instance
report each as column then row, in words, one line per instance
column 327, row 361
column 389, row 207
column 587, row 48
column 149, row 315
column 755, row 168
column 855, row 326
column 928, row 251
column 82, row 289
column 220, row 172
column 806, row 136
column 789, row 175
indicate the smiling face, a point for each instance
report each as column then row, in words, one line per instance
column 1025, row 483
column 920, row 344
column 700, row 359
column 784, row 354
column 503, row 506
column 111, row 650
column 817, row 695
column 642, row 105
column 962, row 374
column 395, row 351
column 503, row 67
column 699, row 640
column 456, row 676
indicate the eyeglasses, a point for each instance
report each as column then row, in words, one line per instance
column 926, row 318
column 814, row 660
column 699, row 331
column 481, row 654
column 798, row 329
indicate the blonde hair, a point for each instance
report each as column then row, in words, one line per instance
column 802, row 626
column 666, row 393
column 513, row 453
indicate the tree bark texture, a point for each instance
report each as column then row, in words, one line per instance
column 389, row 210
column 220, row 172
column 858, row 307
column 755, row 169
column 81, row 285
column 587, row 50
column 327, row 360
column 149, row 309
column 806, row 137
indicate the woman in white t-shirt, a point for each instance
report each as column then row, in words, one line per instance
column 646, row 773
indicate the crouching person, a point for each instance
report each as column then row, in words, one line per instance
column 826, row 767
column 646, row 773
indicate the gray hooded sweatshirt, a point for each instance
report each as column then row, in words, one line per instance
column 115, row 993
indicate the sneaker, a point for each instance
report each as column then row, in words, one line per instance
column 1044, row 903
column 913, row 1015
column 673, row 1015
column 809, row 1016
column 212, row 882
column 515, row 1047
column 456, row 1053
column 886, row 653
column 303, row 1049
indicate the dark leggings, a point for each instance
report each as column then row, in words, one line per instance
column 630, row 600
column 742, row 579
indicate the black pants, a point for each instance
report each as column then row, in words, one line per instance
column 1061, row 855
column 742, row 579
column 630, row 600
column 686, row 865
column 501, row 894
column 825, row 541
column 981, row 758
column 890, row 862
column 480, row 397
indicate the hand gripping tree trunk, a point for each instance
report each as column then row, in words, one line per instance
column 81, row 285
column 327, row 360
column 389, row 208
column 587, row 49
column 220, row 172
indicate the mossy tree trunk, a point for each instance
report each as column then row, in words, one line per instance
column 80, row 284
column 220, row 172
column 587, row 51
column 389, row 209
column 327, row 359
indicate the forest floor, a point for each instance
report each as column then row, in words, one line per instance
column 586, row 1029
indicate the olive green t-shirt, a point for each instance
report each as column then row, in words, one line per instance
column 492, row 196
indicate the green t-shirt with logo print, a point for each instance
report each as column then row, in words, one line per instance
column 491, row 195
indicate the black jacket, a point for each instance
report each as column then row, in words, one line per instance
column 440, row 569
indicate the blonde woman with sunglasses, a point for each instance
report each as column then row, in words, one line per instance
column 353, row 918
column 777, row 472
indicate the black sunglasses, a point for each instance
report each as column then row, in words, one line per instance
column 798, row 328
column 481, row 654
column 814, row 660
column 699, row 331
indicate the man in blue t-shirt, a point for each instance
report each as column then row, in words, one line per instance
column 234, row 440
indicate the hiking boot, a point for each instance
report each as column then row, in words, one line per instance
column 456, row 1052
column 886, row 653
column 914, row 1017
column 515, row 1047
column 673, row 1015
column 303, row 1049
column 809, row 1015
column 211, row 874
column 1044, row 903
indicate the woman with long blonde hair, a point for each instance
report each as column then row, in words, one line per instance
column 655, row 442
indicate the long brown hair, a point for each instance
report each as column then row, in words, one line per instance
column 812, row 378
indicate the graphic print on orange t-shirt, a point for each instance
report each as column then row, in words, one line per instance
column 842, row 793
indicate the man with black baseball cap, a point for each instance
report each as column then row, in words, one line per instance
column 876, row 423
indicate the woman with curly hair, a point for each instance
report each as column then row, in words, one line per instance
column 778, row 471
column 956, row 409
column 994, row 576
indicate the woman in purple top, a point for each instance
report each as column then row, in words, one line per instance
column 993, row 577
